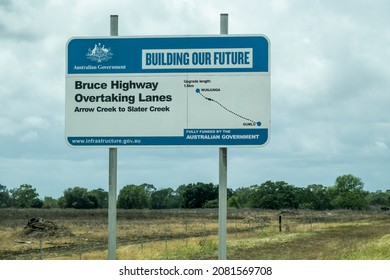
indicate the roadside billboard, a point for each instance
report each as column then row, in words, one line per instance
column 168, row 91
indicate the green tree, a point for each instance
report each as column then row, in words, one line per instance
column 233, row 201
column 244, row 196
column 348, row 193
column 180, row 190
column 99, row 197
column 196, row 195
column 315, row 197
column 211, row 204
column 164, row 199
column 379, row 198
column 5, row 198
column 135, row 197
column 61, row 202
column 26, row 196
column 49, row 202
column 274, row 195
column 79, row 198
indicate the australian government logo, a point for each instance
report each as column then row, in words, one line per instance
column 99, row 53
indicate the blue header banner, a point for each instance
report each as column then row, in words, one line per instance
column 182, row 54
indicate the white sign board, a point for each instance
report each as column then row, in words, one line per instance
column 168, row 91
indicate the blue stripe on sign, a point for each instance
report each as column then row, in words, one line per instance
column 192, row 137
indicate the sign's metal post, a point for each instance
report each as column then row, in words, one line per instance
column 112, row 175
column 112, row 204
column 222, row 201
column 222, row 196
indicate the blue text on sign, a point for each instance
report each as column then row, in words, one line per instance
column 197, row 58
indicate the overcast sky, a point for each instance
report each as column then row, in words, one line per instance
column 330, row 93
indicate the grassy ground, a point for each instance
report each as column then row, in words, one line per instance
column 357, row 240
column 192, row 234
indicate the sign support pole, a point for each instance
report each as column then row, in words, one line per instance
column 222, row 194
column 112, row 175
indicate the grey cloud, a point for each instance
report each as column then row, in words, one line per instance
column 329, row 92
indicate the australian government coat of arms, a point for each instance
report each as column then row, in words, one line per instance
column 99, row 53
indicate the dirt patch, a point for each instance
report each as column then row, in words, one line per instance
column 41, row 228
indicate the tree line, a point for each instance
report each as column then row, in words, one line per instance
column 346, row 193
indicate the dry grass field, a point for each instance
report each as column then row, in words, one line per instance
column 193, row 234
